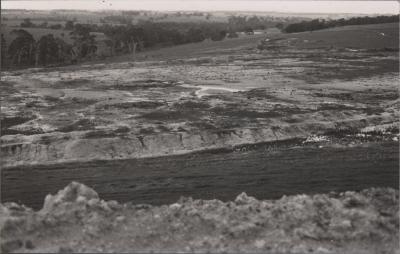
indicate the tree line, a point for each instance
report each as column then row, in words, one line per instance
column 25, row 51
column 318, row 24
column 27, row 23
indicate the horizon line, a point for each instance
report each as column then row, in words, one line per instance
column 293, row 6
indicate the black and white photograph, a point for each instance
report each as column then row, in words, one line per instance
column 199, row 126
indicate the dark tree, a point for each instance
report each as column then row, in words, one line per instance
column 21, row 49
column 43, row 25
column 249, row 30
column 232, row 35
column 317, row 24
column 55, row 26
column 280, row 26
column 195, row 35
column 69, row 25
column 47, row 50
column 27, row 23
column 3, row 50
column 84, row 42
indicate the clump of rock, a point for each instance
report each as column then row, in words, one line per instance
column 77, row 220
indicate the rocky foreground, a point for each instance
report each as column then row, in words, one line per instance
column 77, row 220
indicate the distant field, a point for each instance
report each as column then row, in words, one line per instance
column 190, row 50
column 360, row 36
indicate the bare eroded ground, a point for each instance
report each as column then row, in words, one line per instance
column 294, row 88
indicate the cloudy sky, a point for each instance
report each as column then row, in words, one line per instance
column 368, row 7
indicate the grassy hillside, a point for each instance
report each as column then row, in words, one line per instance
column 377, row 36
column 360, row 36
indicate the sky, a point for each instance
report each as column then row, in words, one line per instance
column 297, row 6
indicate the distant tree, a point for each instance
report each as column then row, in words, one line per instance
column 122, row 38
column 232, row 34
column 55, row 26
column 46, row 50
column 254, row 22
column 217, row 35
column 237, row 23
column 280, row 26
column 134, row 38
column 176, row 37
column 21, row 49
column 195, row 35
column 27, row 23
column 84, row 42
column 64, row 51
column 3, row 50
column 249, row 30
column 43, row 25
column 150, row 32
column 69, row 25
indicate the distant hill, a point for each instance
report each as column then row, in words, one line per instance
column 375, row 36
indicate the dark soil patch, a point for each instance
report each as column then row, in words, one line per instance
column 248, row 113
column 121, row 131
column 203, row 125
column 277, row 111
column 168, row 115
column 8, row 122
column 150, row 83
column 7, row 88
column 261, row 94
column 188, row 105
column 71, row 83
column 136, row 104
column 71, row 104
column 373, row 110
column 15, row 132
column 147, row 131
column 371, row 96
column 47, row 140
column 52, row 99
column 80, row 125
column 334, row 106
column 352, row 71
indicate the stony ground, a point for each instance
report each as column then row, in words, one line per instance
column 76, row 220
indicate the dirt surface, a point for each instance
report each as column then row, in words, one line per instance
column 265, row 171
column 76, row 220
